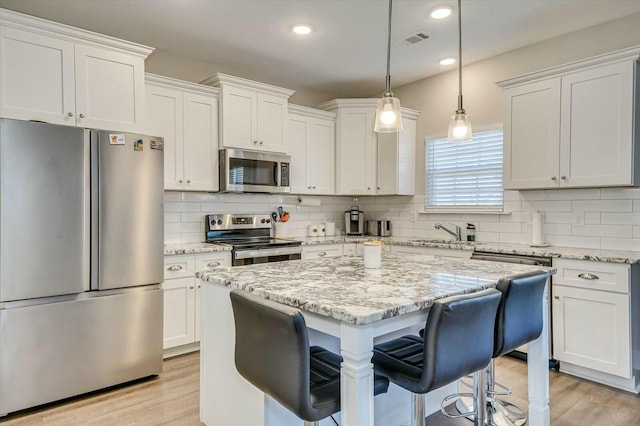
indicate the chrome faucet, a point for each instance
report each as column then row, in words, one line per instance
column 457, row 235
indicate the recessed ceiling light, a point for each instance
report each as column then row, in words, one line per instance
column 441, row 12
column 447, row 61
column 302, row 29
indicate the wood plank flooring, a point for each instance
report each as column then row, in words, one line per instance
column 173, row 399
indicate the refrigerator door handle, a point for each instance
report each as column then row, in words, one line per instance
column 94, row 202
column 87, row 211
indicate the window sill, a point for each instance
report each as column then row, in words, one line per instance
column 463, row 210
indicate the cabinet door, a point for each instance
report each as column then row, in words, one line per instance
column 396, row 172
column 36, row 77
column 165, row 118
column 200, row 142
column 321, row 157
column 109, row 89
column 532, row 135
column 238, row 112
column 591, row 329
column 179, row 312
column 299, row 136
column 356, row 158
column 272, row 123
column 433, row 251
column 207, row 261
column 319, row 251
column 597, row 126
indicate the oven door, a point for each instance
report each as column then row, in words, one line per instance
column 253, row 256
column 252, row 171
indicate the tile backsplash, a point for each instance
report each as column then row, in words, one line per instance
column 606, row 218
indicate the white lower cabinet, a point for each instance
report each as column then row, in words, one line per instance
column 433, row 251
column 592, row 324
column 182, row 297
column 321, row 250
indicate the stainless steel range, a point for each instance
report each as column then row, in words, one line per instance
column 249, row 237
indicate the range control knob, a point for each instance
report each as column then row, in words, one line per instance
column 268, row 220
column 219, row 222
column 263, row 220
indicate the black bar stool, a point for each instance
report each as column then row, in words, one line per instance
column 458, row 340
column 519, row 321
column 272, row 352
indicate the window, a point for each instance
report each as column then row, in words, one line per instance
column 465, row 175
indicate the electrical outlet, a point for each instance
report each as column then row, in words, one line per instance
column 580, row 220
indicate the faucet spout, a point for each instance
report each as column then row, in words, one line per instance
column 457, row 234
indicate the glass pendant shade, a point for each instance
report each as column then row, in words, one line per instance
column 388, row 115
column 460, row 127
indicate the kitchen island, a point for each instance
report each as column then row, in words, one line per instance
column 358, row 307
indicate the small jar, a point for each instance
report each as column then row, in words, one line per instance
column 471, row 232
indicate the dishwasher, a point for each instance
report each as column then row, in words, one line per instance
column 521, row 352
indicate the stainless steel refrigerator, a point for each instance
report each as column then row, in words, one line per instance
column 81, row 255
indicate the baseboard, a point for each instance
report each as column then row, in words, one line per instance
column 629, row 385
column 181, row 350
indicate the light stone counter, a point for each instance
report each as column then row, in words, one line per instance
column 192, row 248
column 342, row 289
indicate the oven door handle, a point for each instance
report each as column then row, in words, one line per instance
column 283, row 251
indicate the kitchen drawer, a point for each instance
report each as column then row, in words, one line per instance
column 179, row 266
column 433, row 251
column 213, row 260
column 592, row 275
column 324, row 250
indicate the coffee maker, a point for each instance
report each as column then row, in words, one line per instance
column 354, row 221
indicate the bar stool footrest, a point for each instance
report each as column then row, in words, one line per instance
column 456, row 397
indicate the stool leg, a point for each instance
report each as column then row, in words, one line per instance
column 417, row 407
column 306, row 423
column 480, row 404
column 501, row 413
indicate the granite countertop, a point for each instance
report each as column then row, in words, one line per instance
column 192, row 248
column 342, row 289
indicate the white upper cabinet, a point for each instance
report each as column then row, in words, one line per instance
column 572, row 126
column 252, row 115
column 369, row 163
column 186, row 116
column 312, row 148
column 62, row 75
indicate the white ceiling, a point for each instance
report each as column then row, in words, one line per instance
column 347, row 51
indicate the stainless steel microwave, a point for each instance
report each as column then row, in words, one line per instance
column 254, row 171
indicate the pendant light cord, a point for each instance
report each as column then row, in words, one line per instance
column 388, row 79
column 460, row 109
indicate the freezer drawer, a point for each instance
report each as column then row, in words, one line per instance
column 57, row 350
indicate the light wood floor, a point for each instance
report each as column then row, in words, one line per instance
column 172, row 399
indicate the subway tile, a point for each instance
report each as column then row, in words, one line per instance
column 512, row 206
column 636, row 232
column 192, row 237
column 547, row 206
column 549, row 228
column 181, row 207
column 620, row 218
column 602, row 206
column 507, row 238
column 574, row 241
column 172, row 196
column 172, row 228
column 200, row 197
column 511, row 195
column 620, row 193
column 217, row 208
column 636, row 205
column 171, row 217
column 591, row 218
column 560, row 217
column 488, row 237
column 611, row 231
column 573, row 194
column 500, row 227
column 620, row 244
column 172, row 238
column 193, row 217
column 532, row 195
column 475, row 218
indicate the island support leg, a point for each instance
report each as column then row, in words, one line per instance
column 356, row 375
column 538, row 374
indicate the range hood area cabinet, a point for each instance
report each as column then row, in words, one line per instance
column 186, row 115
column 64, row 75
column 369, row 163
column 312, row 146
column 573, row 126
column 253, row 115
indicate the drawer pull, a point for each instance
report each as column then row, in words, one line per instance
column 191, row 287
column 213, row 264
column 174, row 268
column 588, row 276
column 322, row 254
column 556, row 297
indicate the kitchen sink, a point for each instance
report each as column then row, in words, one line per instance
column 438, row 241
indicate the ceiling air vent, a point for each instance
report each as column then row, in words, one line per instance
column 414, row 38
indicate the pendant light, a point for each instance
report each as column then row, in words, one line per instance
column 388, row 117
column 460, row 124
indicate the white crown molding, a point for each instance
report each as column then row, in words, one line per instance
column 180, row 84
column 623, row 55
column 335, row 104
column 32, row 24
column 311, row 112
column 220, row 79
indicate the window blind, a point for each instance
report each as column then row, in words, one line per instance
column 465, row 173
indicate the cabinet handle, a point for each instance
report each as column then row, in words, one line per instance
column 554, row 178
column 191, row 287
column 199, row 286
column 260, row 142
column 377, row 187
column 81, row 115
column 188, row 181
column 368, row 188
column 563, row 177
column 588, row 276
column 314, row 187
column 255, row 142
column 309, row 186
column 213, row 264
column 179, row 180
column 322, row 254
column 70, row 114
column 174, row 268
column 556, row 297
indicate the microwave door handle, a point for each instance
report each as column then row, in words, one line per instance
column 276, row 174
